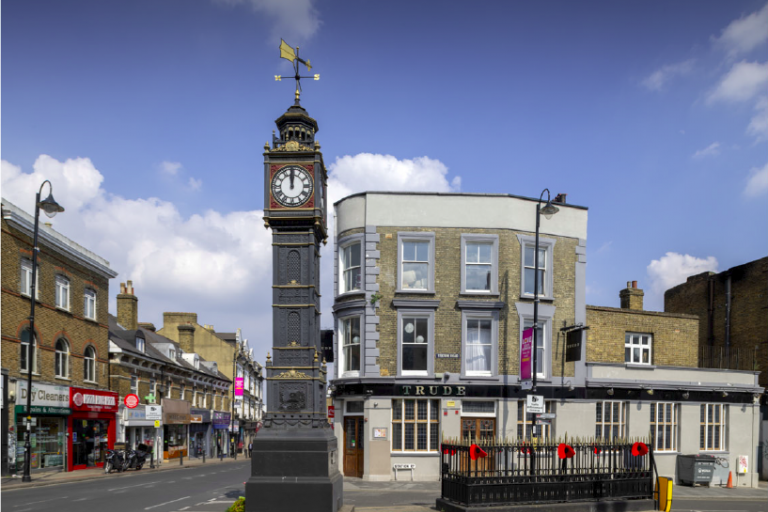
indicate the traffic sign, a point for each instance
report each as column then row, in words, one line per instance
column 157, row 423
column 131, row 401
column 546, row 416
column 534, row 404
column 331, row 411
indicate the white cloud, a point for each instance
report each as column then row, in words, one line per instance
column 743, row 82
column 366, row 171
column 758, row 125
column 656, row 80
column 194, row 184
column 289, row 19
column 673, row 269
column 171, row 168
column 744, row 34
column 758, row 182
column 711, row 150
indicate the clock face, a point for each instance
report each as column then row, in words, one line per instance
column 292, row 186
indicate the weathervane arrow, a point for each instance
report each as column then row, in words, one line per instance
column 288, row 53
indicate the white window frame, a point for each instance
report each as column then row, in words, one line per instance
column 141, row 344
column 89, row 303
column 135, row 384
column 344, row 268
column 89, row 364
column 168, row 389
column 25, row 347
column 343, row 345
column 61, row 361
column 153, row 387
column 62, row 292
column 609, row 422
column 629, row 337
column 655, row 424
column 427, row 237
column 402, row 421
column 493, row 318
column 704, row 435
column 25, row 283
column 548, row 246
column 493, row 241
column 402, row 316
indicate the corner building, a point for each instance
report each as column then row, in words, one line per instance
column 432, row 293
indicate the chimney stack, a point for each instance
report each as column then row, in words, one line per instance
column 127, row 307
column 187, row 337
column 631, row 297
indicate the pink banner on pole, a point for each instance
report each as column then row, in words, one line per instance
column 239, row 386
column 526, row 353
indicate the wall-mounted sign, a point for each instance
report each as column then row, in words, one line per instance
column 154, row 412
column 331, row 411
column 534, row 404
column 131, row 401
column 447, row 356
column 573, row 346
column 93, row 400
column 157, row 423
column 379, row 433
column 43, row 395
column 404, row 466
column 743, row 464
column 439, row 390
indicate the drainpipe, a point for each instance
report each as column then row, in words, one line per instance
column 728, row 312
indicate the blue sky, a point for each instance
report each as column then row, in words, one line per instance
column 150, row 118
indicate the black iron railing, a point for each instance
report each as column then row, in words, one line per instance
column 546, row 471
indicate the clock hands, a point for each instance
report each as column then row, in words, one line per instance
column 293, row 174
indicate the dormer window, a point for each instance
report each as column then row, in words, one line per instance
column 140, row 344
column 197, row 362
column 172, row 354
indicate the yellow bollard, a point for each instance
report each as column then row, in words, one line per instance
column 663, row 493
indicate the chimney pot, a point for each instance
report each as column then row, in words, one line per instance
column 634, row 284
column 629, row 284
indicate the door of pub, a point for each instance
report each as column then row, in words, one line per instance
column 479, row 430
column 353, row 445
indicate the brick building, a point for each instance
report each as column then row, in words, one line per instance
column 71, row 348
column 732, row 308
column 432, row 294
column 223, row 348
column 194, row 397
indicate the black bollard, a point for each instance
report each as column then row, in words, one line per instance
column 181, row 458
column 203, row 456
column 152, row 460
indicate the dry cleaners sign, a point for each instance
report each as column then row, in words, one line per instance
column 47, row 395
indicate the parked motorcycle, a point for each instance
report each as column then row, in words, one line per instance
column 113, row 459
column 135, row 459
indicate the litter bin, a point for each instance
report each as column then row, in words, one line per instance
column 695, row 469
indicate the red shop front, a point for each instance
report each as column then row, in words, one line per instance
column 92, row 427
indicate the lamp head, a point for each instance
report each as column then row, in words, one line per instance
column 50, row 206
column 549, row 210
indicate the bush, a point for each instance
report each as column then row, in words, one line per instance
column 238, row 506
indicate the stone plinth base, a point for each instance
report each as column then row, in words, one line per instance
column 295, row 470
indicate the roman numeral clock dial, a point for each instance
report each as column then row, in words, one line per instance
column 292, row 186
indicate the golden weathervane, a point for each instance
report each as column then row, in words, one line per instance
column 288, row 53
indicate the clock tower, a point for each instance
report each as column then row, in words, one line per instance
column 295, row 454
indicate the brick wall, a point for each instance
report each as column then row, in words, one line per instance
column 675, row 336
column 448, row 317
column 748, row 317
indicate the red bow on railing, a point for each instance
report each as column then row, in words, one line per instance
column 565, row 451
column 449, row 451
column 475, row 452
column 639, row 449
column 597, row 450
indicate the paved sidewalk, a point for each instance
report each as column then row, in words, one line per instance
column 718, row 492
column 61, row 477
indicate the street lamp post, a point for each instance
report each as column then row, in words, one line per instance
column 232, row 420
column 51, row 208
column 549, row 210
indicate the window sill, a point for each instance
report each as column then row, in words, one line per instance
column 415, row 374
column 420, row 292
column 62, row 310
column 477, row 377
column 62, row 378
column 547, row 298
column 714, row 452
column 346, row 375
column 90, row 320
column 350, row 293
column 415, row 454
column 665, row 452
column 479, row 293
column 639, row 366
column 90, row 381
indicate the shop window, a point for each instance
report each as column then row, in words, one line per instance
column 61, row 361
column 89, row 365
column 712, row 427
column 664, row 420
column 89, row 441
column 610, row 419
column 48, row 438
column 415, row 425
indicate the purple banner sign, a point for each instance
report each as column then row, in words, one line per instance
column 239, row 386
column 526, row 352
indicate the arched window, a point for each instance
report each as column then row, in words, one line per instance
column 62, row 358
column 24, row 359
column 89, row 365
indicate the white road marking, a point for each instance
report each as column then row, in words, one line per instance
column 128, row 487
column 81, row 499
column 43, row 501
column 167, row 503
column 185, row 508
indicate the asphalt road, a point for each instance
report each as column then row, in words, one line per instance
column 165, row 491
